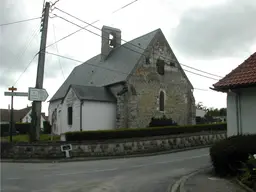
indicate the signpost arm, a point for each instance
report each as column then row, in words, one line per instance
column 37, row 105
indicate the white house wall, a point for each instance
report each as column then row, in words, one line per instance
column 70, row 100
column 245, row 116
column 248, row 110
column 98, row 115
column 200, row 113
column 27, row 119
column 231, row 115
column 52, row 107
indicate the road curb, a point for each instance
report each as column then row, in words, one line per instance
column 179, row 186
column 243, row 186
column 97, row 158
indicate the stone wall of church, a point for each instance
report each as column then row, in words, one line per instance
column 146, row 83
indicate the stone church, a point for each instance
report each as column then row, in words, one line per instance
column 124, row 87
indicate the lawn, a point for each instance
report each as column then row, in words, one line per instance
column 25, row 138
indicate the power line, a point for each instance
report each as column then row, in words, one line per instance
column 25, row 69
column 199, row 89
column 65, row 37
column 132, row 49
column 202, row 71
column 122, row 39
column 54, row 34
column 21, row 21
column 81, row 62
column 21, row 55
column 124, row 6
column 200, row 75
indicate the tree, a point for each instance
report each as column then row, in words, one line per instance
column 199, row 105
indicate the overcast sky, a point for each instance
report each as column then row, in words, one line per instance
column 214, row 36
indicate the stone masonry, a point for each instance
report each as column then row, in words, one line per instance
column 109, row 148
column 137, row 106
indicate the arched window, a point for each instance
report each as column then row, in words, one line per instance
column 161, row 101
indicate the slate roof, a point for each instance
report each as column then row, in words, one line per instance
column 243, row 75
column 93, row 93
column 17, row 114
column 115, row 68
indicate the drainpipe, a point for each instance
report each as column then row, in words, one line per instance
column 238, row 113
column 81, row 115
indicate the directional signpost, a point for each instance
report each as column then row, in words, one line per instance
column 12, row 93
column 21, row 94
column 35, row 94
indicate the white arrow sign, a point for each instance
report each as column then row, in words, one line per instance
column 35, row 94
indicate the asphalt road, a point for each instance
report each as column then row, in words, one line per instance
column 149, row 174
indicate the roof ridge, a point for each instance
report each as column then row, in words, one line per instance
column 237, row 76
column 128, row 42
column 121, row 60
column 142, row 36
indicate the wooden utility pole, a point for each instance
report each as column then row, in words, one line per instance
column 11, row 116
column 37, row 105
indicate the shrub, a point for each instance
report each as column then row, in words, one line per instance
column 143, row 132
column 4, row 129
column 248, row 172
column 161, row 122
column 20, row 128
column 227, row 155
column 25, row 138
column 47, row 127
column 23, row 128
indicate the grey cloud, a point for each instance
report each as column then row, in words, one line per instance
column 15, row 39
column 18, row 43
column 226, row 29
column 54, row 66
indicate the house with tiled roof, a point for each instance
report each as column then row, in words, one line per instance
column 19, row 116
column 240, row 86
column 124, row 87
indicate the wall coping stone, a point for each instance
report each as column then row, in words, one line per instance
column 54, row 143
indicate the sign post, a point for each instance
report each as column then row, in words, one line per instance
column 12, row 93
column 35, row 94
column 66, row 148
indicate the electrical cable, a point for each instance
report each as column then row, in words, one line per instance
column 122, row 39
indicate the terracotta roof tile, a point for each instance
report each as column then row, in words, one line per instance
column 243, row 75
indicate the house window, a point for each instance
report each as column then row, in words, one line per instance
column 147, row 60
column 172, row 64
column 160, row 66
column 161, row 101
column 70, row 115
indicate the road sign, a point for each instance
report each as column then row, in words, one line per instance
column 12, row 89
column 21, row 94
column 66, row 148
column 35, row 94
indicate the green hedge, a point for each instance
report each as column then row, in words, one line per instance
column 143, row 132
column 20, row 128
column 227, row 155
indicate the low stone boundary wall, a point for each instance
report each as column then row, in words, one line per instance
column 50, row 150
